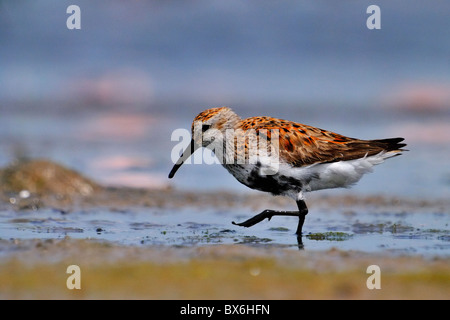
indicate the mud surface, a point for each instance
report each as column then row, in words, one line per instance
column 172, row 244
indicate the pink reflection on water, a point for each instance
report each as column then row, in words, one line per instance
column 134, row 179
column 435, row 132
column 128, row 171
column 118, row 126
column 118, row 87
column 421, row 97
column 119, row 162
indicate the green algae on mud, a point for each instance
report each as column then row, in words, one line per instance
column 330, row 236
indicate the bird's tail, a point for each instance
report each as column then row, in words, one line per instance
column 392, row 147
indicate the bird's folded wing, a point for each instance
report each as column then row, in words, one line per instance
column 301, row 145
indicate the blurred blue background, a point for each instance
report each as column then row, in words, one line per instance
column 105, row 99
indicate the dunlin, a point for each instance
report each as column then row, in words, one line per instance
column 303, row 159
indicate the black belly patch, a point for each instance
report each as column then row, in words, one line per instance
column 275, row 184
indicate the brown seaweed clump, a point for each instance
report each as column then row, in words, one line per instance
column 29, row 183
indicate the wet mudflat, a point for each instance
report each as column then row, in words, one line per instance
column 172, row 244
column 423, row 231
column 196, row 253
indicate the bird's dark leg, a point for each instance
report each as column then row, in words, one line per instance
column 301, row 213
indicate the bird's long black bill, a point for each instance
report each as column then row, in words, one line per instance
column 185, row 155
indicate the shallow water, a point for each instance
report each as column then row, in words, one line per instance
column 400, row 233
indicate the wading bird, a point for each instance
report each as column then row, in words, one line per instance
column 307, row 158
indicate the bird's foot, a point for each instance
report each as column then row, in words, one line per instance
column 263, row 215
column 256, row 219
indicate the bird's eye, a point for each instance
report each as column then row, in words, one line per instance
column 205, row 127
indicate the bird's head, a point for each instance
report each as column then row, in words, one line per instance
column 208, row 126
